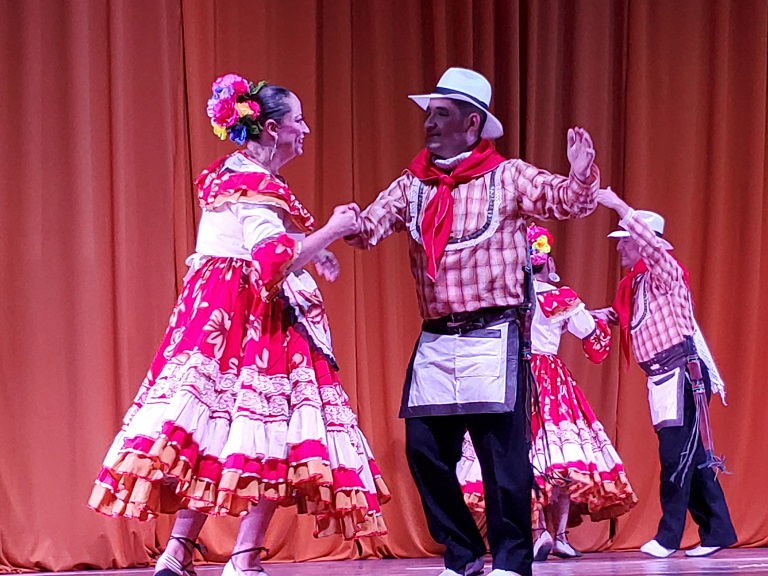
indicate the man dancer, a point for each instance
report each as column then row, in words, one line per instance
column 654, row 310
column 463, row 207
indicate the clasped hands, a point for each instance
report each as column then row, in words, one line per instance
column 345, row 221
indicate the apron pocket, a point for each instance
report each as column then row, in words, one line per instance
column 433, row 380
column 481, row 366
column 481, row 353
column 663, row 398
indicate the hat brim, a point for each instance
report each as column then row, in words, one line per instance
column 492, row 129
column 624, row 234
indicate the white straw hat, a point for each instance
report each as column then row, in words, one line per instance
column 468, row 86
column 654, row 221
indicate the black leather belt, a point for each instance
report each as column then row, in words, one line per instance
column 463, row 322
column 669, row 359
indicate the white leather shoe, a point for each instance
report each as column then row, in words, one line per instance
column 656, row 550
column 701, row 551
column 474, row 568
column 168, row 565
column 563, row 549
column 231, row 570
column 498, row 572
column 542, row 547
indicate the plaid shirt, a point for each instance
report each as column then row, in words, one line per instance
column 482, row 264
column 661, row 301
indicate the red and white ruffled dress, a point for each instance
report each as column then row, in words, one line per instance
column 579, row 449
column 243, row 399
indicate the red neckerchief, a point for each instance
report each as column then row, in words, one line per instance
column 438, row 213
column 623, row 302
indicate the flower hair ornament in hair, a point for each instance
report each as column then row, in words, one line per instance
column 233, row 109
column 539, row 244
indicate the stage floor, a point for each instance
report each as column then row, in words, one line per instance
column 728, row 562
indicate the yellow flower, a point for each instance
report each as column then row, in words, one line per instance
column 542, row 245
column 243, row 109
column 220, row 131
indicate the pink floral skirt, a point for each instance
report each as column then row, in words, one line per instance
column 581, row 458
column 239, row 405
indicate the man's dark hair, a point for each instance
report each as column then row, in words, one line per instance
column 466, row 108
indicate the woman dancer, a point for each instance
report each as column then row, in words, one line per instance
column 576, row 468
column 242, row 409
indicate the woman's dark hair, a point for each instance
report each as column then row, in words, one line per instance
column 273, row 102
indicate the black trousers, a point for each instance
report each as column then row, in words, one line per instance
column 433, row 448
column 700, row 492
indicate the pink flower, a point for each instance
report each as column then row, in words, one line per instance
column 240, row 86
column 224, row 113
column 237, row 83
column 536, row 232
